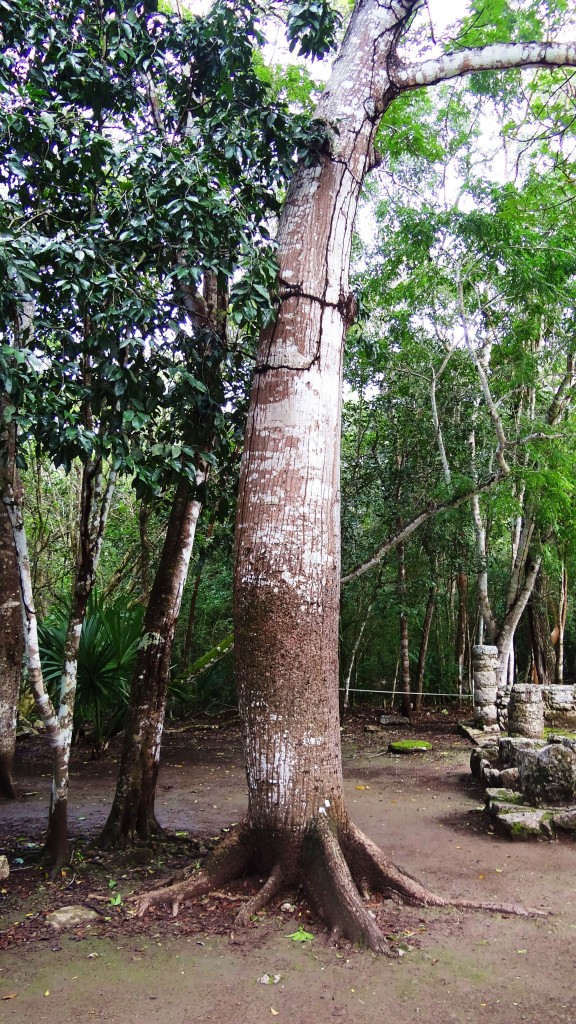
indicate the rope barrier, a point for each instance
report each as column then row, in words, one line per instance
column 427, row 693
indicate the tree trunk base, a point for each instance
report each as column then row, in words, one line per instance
column 127, row 826
column 7, row 787
column 336, row 865
column 56, row 851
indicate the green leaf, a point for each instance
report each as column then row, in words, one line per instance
column 300, row 935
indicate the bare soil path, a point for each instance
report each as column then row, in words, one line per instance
column 444, row 966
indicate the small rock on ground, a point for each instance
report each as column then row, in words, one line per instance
column 67, row 917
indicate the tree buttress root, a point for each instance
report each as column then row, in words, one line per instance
column 336, row 866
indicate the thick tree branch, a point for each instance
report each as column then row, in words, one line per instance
column 495, row 57
column 431, row 510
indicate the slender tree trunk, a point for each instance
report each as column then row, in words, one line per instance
column 505, row 638
column 12, row 500
column 562, row 612
column 461, row 628
column 406, row 706
column 542, row 649
column 348, row 679
column 143, row 518
column 426, row 627
column 11, row 624
column 132, row 814
column 192, row 609
column 95, row 503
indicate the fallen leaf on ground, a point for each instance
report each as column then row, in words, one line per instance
column 300, row 935
column 10, row 995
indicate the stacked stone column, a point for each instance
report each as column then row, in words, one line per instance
column 526, row 711
column 485, row 668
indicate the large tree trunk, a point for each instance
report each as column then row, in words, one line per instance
column 132, row 814
column 288, row 526
column 11, row 625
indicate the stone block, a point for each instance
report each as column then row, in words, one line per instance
column 565, row 819
column 394, row 720
column 550, row 777
column 510, row 778
column 505, row 795
column 490, row 777
column 531, row 823
column 526, row 711
column 485, row 715
column 509, row 747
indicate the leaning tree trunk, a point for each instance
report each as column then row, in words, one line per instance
column 132, row 814
column 11, row 625
column 288, row 523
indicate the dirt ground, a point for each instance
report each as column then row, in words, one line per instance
column 425, row 810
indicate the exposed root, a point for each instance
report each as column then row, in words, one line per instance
column 268, row 891
column 368, row 862
column 333, row 892
column 338, row 865
column 229, row 860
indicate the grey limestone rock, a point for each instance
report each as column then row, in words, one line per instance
column 530, row 823
column 565, row 819
column 510, row 746
column 549, row 778
column 510, row 778
column 67, row 917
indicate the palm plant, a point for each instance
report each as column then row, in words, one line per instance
column 106, row 658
